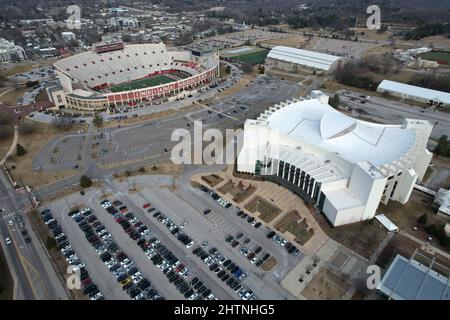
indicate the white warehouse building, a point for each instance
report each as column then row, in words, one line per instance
column 415, row 93
column 343, row 166
column 292, row 59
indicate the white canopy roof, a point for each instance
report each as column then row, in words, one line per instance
column 318, row 124
column 307, row 58
column 415, row 91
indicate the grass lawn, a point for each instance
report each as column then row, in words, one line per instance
column 441, row 57
column 6, row 281
column 296, row 225
column 267, row 211
column 252, row 58
column 212, row 180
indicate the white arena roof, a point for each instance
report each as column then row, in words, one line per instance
column 415, row 91
column 307, row 58
column 354, row 140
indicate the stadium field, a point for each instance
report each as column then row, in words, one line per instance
column 441, row 57
column 251, row 55
column 143, row 83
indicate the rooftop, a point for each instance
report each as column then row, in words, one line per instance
column 308, row 58
column 317, row 123
column 415, row 91
column 410, row 280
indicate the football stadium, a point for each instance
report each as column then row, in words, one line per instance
column 114, row 76
column 343, row 166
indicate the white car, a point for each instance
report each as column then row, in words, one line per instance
column 10, row 222
column 193, row 296
column 97, row 296
column 253, row 261
column 184, row 225
column 176, row 264
column 283, row 243
column 210, row 297
column 207, row 259
column 8, row 241
column 85, row 210
column 190, row 244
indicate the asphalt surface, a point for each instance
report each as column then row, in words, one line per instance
column 35, row 276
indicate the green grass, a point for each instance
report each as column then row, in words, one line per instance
column 441, row 57
column 142, row 83
column 252, row 58
column 6, row 281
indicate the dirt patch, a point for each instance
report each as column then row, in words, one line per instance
column 56, row 256
column 269, row 264
column 398, row 245
column 212, row 180
column 326, row 285
column 11, row 97
column 6, row 281
column 296, row 225
column 405, row 216
column 165, row 167
column 362, row 237
column 239, row 191
column 267, row 211
column 21, row 169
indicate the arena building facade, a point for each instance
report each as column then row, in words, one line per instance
column 118, row 75
column 343, row 166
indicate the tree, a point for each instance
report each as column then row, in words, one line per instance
column 50, row 243
column 20, row 151
column 334, row 101
column 85, row 182
column 98, row 121
column 247, row 68
column 442, row 147
column 422, row 219
column 432, row 229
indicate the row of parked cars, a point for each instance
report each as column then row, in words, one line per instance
column 215, row 196
column 176, row 272
column 89, row 288
column 131, row 279
column 254, row 222
column 290, row 248
column 110, row 254
column 173, row 228
column 225, row 270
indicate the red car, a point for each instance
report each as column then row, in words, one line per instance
column 146, row 205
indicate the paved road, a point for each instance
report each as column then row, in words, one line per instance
column 35, row 276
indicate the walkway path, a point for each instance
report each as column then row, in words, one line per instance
column 13, row 145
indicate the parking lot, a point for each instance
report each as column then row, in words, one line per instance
column 185, row 206
column 136, row 142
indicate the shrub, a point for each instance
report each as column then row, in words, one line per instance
column 422, row 219
column 20, row 151
column 85, row 182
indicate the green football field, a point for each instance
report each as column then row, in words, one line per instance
column 142, row 83
column 251, row 55
column 253, row 58
column 441, row 57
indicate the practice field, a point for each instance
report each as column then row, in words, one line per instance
column 441, row 57
column 251, row 55
column 148, row 82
